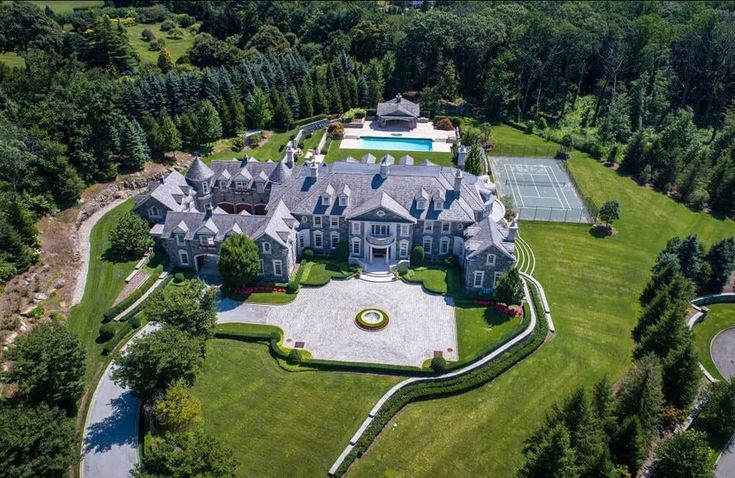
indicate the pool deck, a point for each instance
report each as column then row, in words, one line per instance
column 441, row 140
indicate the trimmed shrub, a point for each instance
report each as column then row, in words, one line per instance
column 292, row 287
column 451, row 261
column 185, row 20
column 307, row 254
column 294, row 357
column 108, row 348
column 402, row 268
column 107, row 331
column 417, row 256
column 530, row 126
column 438, row 364
column 342, row 251
column 444, row 124
column 336, row 130
column 147, row 35
column 178, row 278
column 134, row 322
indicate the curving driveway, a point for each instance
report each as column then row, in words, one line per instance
column 722, row 350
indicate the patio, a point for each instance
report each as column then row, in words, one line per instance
column 323, row 319
column 442, row 140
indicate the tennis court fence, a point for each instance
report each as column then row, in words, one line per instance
column 553, row 214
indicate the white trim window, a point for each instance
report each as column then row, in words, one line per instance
column 478, row 279
column 427, row 245
column 405, row 230
column 380, row 230
column 438, row 204
column 206, row 240
column 154, row 211
column 355, row 226
column 223, row 184
column 302, row 242
column 444, row 246
column 496, row 278
column 403, row 249
column 355, row 247
column 241, row 185
column 343, row 201
column 428, row 226
column 183, row 258
column 421, row 204
column 266, row 248
column 277, row 268
column 334, row 240
column 262, row 267
column 317, row 221
column 179, row 239
column 326, row 200
column 205, row 187
column 446, row 227
column 491, row 259
column 334, row 222
column 318, row 240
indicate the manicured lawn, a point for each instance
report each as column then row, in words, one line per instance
column 437, row 279
column 313, row 142
column 12, row 60
column 270, row 298
column 513, row 142
column 105, row 280
column 479, row 328
column 321, row 270
column 720, row 317
column 177, row 47
column 274, row 148
column 592, row 285
column 66, row 6
column 336, row 153
column 281, row 423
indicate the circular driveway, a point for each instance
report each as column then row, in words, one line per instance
column 323, row 319
column 723, row 352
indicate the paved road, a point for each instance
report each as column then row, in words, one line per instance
column 723, row 354
column 110, row 445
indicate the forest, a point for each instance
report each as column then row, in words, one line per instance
column 645, row 85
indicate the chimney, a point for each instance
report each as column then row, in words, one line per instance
column 398, row 98
column 289, row 155
column 208, row 212
column 512, row 230
column 462, row 152
column 458, row 176
column 384, row 168
column 314, row 170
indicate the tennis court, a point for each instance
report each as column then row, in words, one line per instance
column 541, row 189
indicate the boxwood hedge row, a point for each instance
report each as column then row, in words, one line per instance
column 116, row 309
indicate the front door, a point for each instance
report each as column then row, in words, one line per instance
column 380, row 253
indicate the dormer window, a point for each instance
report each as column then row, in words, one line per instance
column 241, row 185
column 420, row 204
column 491, row 259
column 206, row 240
column 154, row 211
column 326, row 200
column 343, row 201
column 179, row 239
column 223, row 184
column 438, row 204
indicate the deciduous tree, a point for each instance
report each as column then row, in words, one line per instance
column 239, row 260
column 131, row 236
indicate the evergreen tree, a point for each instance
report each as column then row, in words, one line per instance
column 509, row 290
column 362, row 91
column 681, row 374
column 629, row 444
column 640, row 394
column 154, row 135
column 130, row 237
column 722, row 185
column 208, row 126
column 282, row 117
column 170, row 134
column 603, row 404
column 685, row 454
column 635, row 154
column 186, row 124
column 551, row 456
column 721, row 259
column 237, row 115
column 306, row 100
column 258, row 112
column 165, row 62
column 473, row 162
column 717, row 415
column 135, row 148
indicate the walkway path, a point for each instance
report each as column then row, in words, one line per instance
column 145, row 295
column 110, row 440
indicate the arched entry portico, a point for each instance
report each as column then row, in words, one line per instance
column 207, row 268
column 244, row 207
column 227, row 207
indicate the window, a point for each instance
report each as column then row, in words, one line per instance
column 403, row 249
column 404, row 230
column 460, row 226
column 438, row 204
column 318, row 240
column 334, row 238
column 334, row 222
column 205, row 240
column 355, row 227
column 427, row 245
column 444, row 246
column 277, row 268
column 317, row 221
column 446, row 227
column 241, row 185
column 266, row 248
column 343, row 201
column 222, row 183
column 497, row 277
column 326, row 200
column 491, row 259
column 380, row 230
column 478, row 279
column 428, row 226
column 154, row 211
column 420, row 204
column 179, row 239
column 260, row 270
column 356, row 247
column 305, row 219
column 184, row 258
column 205, row 188
column 301, row 241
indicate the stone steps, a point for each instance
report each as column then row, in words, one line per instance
column 377, row 277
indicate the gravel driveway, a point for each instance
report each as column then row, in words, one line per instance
column 323, row 319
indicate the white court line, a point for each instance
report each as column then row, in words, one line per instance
column 538, row 193
column 509, row 174
column 556, row 188
column 562, row 191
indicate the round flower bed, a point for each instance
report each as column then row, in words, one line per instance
column 371, row 319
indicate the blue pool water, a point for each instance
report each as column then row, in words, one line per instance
column 395, row 144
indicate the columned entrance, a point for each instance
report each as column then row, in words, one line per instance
column 380, row 255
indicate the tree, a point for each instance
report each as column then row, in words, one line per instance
column 239, row 260
column 135, row 151
column 169, row 134
column 187, row 454
column 717, row 416
column 258, row 112
column 550, row 457
column 131, row 236
column 640, row 394
column 165, row 62
column 35, row 441
column 153, row 362
column 629, row 444
column 208, row 127
column 681, row 374
column 609, row 212
column 190, row 307
column 282, row 116
column 509, row 289
column 417, row 256
column 473, row 162
column 685, row 454
column 721, row 258
column 179, row 410
column 47, row 366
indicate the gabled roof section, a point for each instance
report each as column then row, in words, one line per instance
column 382, row 201
column 208, row 228
column 487, row 234
column 398, row 106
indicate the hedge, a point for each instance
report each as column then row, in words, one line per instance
column 426, row 390
column 130, row 314
column 116, row 309
column 308, row 120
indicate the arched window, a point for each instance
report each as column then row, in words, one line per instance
column 491, row 259
column 318, row 240
column 355, row 247
column 334, row 240
column 444, row 246
column 403, row 249
column 154, row 211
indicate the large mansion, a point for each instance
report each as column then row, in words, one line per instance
column 381, row 209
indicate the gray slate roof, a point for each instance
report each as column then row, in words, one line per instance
column 170, row 192
column 485, row 234
column 398, row 106
column 199, row 171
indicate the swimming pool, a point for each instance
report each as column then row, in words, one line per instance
column 395, row 144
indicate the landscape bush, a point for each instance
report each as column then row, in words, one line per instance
column 178, row 278
column 336, row 131
column 185, row 20
column 106, row 332
column 417, row 256
column 294, row 357
column 167, row 25
column 439, row 364
column 342, row 251
column 307, row 254
column 444, row 124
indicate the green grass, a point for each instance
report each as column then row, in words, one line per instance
column 177, row 47
column 105, row 280
column 12, row 60
column 313, row 142
column 437, row 279
column 67, row 6
column 281, row 423
column 270, row 298
column 336, row 153
column 592, row 285
column 512, row 142
column 321, row 270
column 274, row 148
column 479, row 328
column 720, row 317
